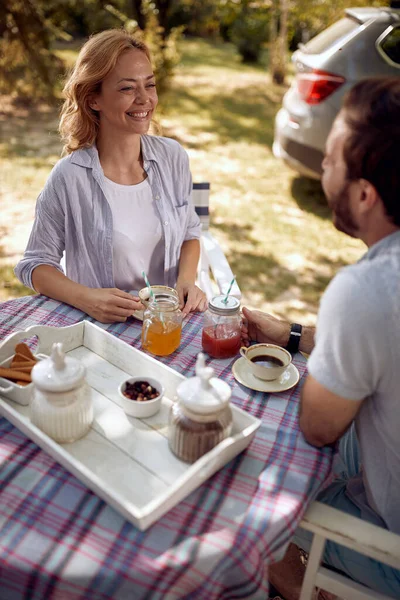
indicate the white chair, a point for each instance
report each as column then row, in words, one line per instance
column 327, row 523
column 212, row 258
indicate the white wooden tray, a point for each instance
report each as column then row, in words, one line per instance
column 125, row 461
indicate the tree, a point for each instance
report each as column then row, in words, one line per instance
column 249, row 31
column 278, row 40
column 28, row 65
column 143, row 10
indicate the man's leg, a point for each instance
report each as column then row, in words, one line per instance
column 287, row 574
column 367, row 571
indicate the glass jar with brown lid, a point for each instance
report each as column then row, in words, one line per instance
column 201, row 417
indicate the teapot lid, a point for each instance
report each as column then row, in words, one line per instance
column 58, row 373
column 204, row 394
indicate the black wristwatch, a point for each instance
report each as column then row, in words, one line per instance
column 294, row 339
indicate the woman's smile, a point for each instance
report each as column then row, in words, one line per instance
column 139, row 116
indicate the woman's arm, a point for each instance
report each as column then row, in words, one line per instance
column 46, row 242
column 106, row 305
column 190, row 296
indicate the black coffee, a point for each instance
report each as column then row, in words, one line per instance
column 266, row 360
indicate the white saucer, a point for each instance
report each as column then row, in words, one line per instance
column 243, row 375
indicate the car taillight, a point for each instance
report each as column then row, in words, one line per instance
column 316, row 86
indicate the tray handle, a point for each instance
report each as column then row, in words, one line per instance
column 5, row 390
column 71, row 337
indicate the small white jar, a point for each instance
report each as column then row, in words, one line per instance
column 61, row 405
column 201, row 417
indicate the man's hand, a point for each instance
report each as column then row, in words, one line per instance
column 109, row 305
column 191, row 298
column 258, row 326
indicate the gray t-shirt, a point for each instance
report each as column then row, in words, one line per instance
column 357, row 356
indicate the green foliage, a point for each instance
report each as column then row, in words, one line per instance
column 309, row 17
column 249, row 31
column 164, row 51
column 202, row 19
column 28, row 68
column 163, row 45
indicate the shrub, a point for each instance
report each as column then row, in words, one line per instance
column 249, row 32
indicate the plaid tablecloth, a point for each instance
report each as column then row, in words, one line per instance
column 59, row 541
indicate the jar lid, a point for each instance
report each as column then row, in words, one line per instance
column 219, row 306
column 58, row 373
column 204, row 394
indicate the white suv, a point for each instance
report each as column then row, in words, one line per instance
column 366, row 42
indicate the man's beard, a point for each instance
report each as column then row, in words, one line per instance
column 342, row 216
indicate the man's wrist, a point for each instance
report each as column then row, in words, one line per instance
column 294, row 338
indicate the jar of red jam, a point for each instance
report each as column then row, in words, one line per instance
column 221, row 330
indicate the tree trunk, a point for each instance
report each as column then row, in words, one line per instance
column 278, row 42
column 164, row 7
column 138, row 13
column 283, row 34
column 273, row 35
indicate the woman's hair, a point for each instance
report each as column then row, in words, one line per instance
column 79, row 123
column 372, row 150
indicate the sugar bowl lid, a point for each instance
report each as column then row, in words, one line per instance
column 204, row 394
column 58, row 373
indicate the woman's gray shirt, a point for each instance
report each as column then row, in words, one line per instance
column 73, row 214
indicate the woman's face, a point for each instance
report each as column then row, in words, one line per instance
column 128, row 96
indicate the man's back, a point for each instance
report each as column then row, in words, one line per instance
column 357, row 355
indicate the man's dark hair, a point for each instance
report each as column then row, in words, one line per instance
column 372, row 150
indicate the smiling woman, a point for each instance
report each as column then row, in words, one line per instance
column 119, row 202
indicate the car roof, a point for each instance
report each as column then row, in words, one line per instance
column 364, row 14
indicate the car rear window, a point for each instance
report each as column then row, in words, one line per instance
column 390, row 46
column 327, row 38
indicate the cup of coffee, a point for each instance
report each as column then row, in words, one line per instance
column 266, row 361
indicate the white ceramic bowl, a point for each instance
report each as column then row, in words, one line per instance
column 144, row 409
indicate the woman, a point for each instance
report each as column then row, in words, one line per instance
column 119, row 202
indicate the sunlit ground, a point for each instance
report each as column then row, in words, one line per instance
column 274, row 226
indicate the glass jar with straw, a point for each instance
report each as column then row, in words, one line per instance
column 162, row 323
column 221, row 336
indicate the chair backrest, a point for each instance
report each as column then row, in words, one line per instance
column 327, row 523
column 201, row 202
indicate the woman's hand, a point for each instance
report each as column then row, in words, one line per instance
column 109, row 305
column 191, row 298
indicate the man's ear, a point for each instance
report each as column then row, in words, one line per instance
column 369, row 197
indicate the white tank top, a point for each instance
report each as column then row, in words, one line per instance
column 138, row 243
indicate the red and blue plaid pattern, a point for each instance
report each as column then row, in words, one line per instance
column 59, row 541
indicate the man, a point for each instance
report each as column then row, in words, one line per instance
column 354, row 364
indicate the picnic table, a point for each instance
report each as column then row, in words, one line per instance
column 58, row 540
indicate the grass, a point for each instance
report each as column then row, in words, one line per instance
column 274, row 226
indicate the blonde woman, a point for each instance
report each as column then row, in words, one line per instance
column 119, row 202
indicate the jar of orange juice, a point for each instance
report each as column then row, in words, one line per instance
column 162, row 325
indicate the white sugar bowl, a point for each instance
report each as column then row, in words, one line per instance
column 61, row 405
column 201, row 417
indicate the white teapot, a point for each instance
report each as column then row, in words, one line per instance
column 61, row 405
